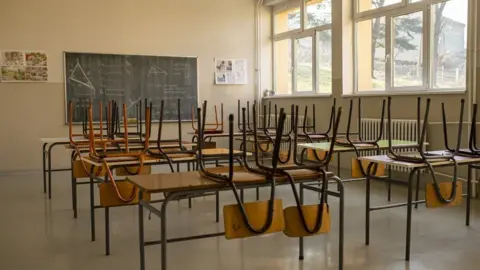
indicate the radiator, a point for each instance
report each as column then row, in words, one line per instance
column 402, row 129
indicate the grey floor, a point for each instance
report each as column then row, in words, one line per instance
column 37, row 233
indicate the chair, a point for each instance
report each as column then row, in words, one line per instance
column 213, row 128
column 253, row 218
column 422, row 157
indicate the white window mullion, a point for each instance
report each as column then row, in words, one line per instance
column 355, row 58
column 274, row 68
column 389, row 59
column 427, row 34
column 315, row 62
column 303, row 18
column 294, row 66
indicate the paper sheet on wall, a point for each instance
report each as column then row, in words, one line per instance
column 23, row 66
column 230, row 71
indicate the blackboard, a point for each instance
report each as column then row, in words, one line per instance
column 129, row 79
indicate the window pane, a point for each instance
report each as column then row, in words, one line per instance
column 319, row 12
column 303, row 64
column 324, row 61
column 287, row 20
column 283, row 66
column 371, row 54
column 449, row 43
column 364, row 5
column 407, row 50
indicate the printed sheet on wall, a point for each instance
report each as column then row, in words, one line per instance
column 24, row 66
column 230, row 71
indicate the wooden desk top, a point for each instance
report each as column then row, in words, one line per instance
column 325, row 146
column 123, row 161
column 216, row 135
column 129, row 161
column 134, row 146
column 191, row 181
column 83, row 139
column 63, row 139
column 221, row 152
column 169, row 182
column 384, row 159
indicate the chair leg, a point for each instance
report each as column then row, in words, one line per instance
column 417, row 189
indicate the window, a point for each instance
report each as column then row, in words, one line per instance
column 304, row 64
column 371, row 72
column 319, row 12
column 287, row 19
column 364, row 5
column 407, row 50
column 283, row 66
column 324, row 61
column 416, row 45
column 303, row 49
column 448, row 44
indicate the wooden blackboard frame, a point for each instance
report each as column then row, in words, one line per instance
column 65, row 72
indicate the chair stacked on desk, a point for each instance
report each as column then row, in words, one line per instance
column 436, row 193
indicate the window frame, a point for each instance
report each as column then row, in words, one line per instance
column 294, row 35
column 390, row 12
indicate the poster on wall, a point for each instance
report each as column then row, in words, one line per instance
column 230, row 71
column 23, row 66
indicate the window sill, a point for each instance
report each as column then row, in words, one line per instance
column 405, row 93
column 320, row 95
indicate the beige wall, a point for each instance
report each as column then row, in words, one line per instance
column 202, row 28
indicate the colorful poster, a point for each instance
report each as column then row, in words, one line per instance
column 21, row 66
column 36, row 74
column 230, row 71
column 11, row 73
column 13, row 58
column 36, row 59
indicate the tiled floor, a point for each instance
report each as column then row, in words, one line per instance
column 37, row 233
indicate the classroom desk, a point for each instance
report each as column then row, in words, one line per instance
column 339, row 149
column 179, row 184
column 415, row 167
column 47, row 159
column 208, row 153
column 209, row 136
column 50, row 143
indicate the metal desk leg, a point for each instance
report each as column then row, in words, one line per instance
column 389, row 185
column 44, row 153
column 217, row 206
column 189, row 198
column 242, row 195
column 107, row 231
column 49, row 155
column 469, row 195
column 163, row 231
column 74, row 193
column 417, row 189
column 300, row 239
column 341, row 223
column 92, row 206
column 74, row 185
column 338, row 164
column 141, row 231
column 258, row 193
column 367, row 204
column 409, row 213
